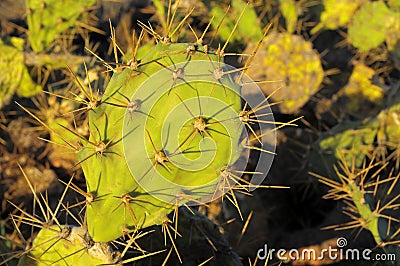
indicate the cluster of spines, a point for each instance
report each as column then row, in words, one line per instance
column 100, row 146
column 368, row 198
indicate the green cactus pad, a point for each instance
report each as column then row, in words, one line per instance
column 337, row 14
column 372, row 25
column 14, row 76
column 289, row 12
column 389, row 130
column 49, row 18
column 248, row 27
column 360, row 97
column 342, row 139
column 291, row 62
column 66, row 246
column 154, row 158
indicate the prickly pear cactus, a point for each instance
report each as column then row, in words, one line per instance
column 66, row 246
column 373, row 24
column 339, row 142
column 337, row 14
column 14, row 76
column 370, row 201
column 389, row 130
column 247, row 29
column 289, row 12
column 49, row 18
column 360, row 97
column 163, row 133
column 290, row 61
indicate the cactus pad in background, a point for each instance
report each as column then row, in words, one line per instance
column 181, row 130
column 360, row 96
column 373, row 24
column 14, row 76
column 289, row 12
column 367, row 137
column 66, row 246
column 288, row 61
column 249, row 27
column 339, row 142
column 48, row 18
column 337, row 14
column 370, row 196
column 389, row 130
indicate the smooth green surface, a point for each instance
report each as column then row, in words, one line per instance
column 54, row 247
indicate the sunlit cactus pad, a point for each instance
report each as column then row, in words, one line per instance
column 289, row 11
column 160, row 136
column 360, row 96
column 67, row 246
column 247, row 29
column 14, row 75
column 337, row 14
column 49, row 18
column 288, row 61
column 373, row 24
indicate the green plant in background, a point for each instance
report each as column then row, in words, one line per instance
column 370, row 200
column 225, row 21
column 360, row 159
column 373, row 24
column 289, row 12
column 337, row 14
column 47, row 19
column 368, row 137
column 360, row 97
column 14, row 75
column 339, row 142
column 289, row 62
